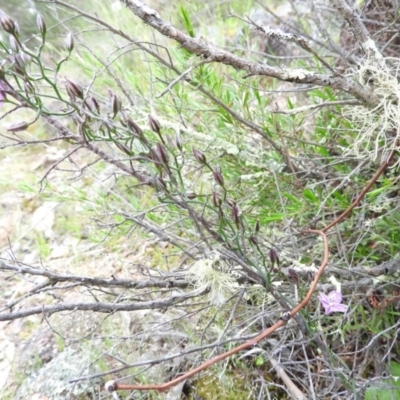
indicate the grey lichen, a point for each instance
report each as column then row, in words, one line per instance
column 52, row 380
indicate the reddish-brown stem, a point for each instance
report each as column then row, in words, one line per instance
column 377, row 174
column 167, row 385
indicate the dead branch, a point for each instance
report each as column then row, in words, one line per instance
column 201, row 47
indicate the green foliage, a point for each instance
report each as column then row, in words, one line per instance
column 186, row 20
column 387, row 389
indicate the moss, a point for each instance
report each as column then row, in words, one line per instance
column 230, row 386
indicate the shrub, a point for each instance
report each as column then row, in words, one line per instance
column 174, row 130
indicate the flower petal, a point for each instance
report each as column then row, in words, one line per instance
column 335, row 297
column 324, row 300
column 339, row 308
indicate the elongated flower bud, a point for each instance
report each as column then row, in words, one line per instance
column 19, row 64
column 155, row 156
column 14, row 46
column 216, row 199
column 17, row 127
column 218, row 178
column 154, row 124
column 162, row 153
column 123, row 119
column 199, row 156
column 95, row 104
column 26, row 59
column 7, row 23
column 73, row 89
column 29, row 88
column 273, row 256
column 135, row 128
column 116, row 104
column 236, row 214
column 123, row 148
column 191, row 195
column 69, row 42
column 231, row 203
column 41, row 24
column 254, row 240
column 178, row 141
column 170, row 141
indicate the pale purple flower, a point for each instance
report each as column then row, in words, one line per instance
column 332, row 302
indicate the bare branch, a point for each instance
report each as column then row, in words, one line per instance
column 203, row 48
column 360, row 31
column 317, row 106
column 100, row 306
column 54, row 278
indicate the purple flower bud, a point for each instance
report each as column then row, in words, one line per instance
column 218, row 178
column 254, row 240
column 7, row 23
column 216, row 199
column 154, row 124
column 236, row 214
column 29, row 88
column 17, row 127
column 162, row 153
column 230, row 203
column 134, row 127
column 95, row 104
column 73, row 89
column 123, row 148
column 199, row 156
column 70, row 93
column 19, row 65
column 273, row 257
column 25, row 58
column 178, row 141
column 69, row 42
column 123, row 118
column 116, row 104
column 191, row 195
column 14, row 46
column 154, row 155
column 170, row 141
column 41, row 24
